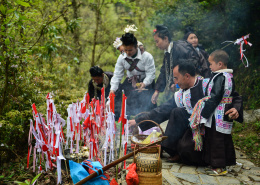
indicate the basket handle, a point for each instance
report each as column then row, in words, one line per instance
column 151, row 122
column 140, row 114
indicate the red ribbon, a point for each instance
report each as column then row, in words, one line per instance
column 71, row 126
column 50, row 111
column 54, row 141
column 245, row 41
column 28, row 156
column 97, row 108
column 80, row 129
column 83, row 108
column 43, row 136
column 123, row 119
column 34, row 109
column 62, row 134
column 112, row 102
column 86, row 123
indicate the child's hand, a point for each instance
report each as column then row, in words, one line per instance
column 232, row 113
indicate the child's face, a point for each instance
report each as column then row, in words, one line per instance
column 213, row 65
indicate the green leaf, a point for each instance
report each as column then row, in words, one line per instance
column 16, row 14
column 2, row 28
column 3, row 9
column 76, row 59
column 7, row 41
column 10, row 11
column 23, row 3
column 22, row 183
column 36, row 177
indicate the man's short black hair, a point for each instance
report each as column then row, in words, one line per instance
column 96, row 71
column 186, row 66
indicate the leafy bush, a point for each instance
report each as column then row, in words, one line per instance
column 246, row 136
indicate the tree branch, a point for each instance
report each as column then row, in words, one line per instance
column 46, row 26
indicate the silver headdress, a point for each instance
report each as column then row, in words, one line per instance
column 130, row 28
column 139, row 43
column 117, row 43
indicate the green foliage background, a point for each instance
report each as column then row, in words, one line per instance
column 49, row 46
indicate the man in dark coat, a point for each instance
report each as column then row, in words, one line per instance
column 178, row 109
column 99, row 79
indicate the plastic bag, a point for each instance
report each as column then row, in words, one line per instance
column 78, row 173
column 148, row 139
column 132, row 177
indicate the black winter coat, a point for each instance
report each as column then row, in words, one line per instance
column 180, row 50
column 91, row 89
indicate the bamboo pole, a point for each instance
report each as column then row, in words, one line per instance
column 65, row 161
column 120, row 142
column 118, row 161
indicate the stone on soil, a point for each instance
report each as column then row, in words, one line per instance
column 207, row 179
column 227, row 180
column 187, row 177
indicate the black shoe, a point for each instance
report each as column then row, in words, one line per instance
column 174, row 159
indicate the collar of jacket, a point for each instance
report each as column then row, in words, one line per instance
column 169, row 48
column 224, row 70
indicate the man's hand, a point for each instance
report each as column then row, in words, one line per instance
column 111, row 91
column 141, row 86
column 131, row 123
column 155, row 97
column 232, row 113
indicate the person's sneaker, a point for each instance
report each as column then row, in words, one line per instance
column 217, row 171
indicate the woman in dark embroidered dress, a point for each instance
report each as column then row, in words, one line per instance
column 99, row 79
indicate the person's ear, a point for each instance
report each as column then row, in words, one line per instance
column 187, row 75
column 220, row 64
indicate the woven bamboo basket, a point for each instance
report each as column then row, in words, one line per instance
column 148, row 162
column 148, row 178
column 152, row 149
column 149, row 168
